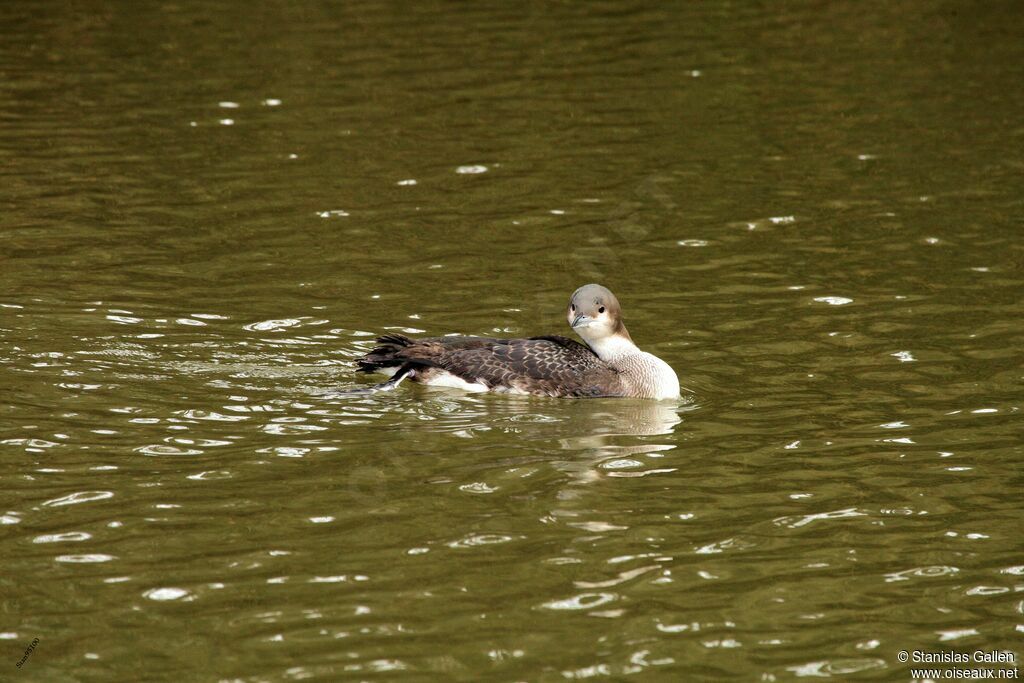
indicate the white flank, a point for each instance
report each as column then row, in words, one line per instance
column 666, row 381
column 447, row 379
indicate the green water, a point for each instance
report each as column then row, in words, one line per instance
column 813, row 212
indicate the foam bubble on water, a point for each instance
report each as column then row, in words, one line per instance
column 471, row 170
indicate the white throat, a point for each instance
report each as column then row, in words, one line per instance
column 612, row 347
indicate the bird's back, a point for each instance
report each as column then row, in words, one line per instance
column 549, row 366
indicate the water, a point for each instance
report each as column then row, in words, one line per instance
column 813, row 213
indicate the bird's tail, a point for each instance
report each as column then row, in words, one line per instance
column 385, row 354
column 403, row 373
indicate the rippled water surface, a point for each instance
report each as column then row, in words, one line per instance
column 814, row 212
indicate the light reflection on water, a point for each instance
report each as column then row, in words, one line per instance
column 209, row 219
column 591, row 490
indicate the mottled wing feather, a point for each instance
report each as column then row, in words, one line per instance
column 551, row 366
column 548, row 366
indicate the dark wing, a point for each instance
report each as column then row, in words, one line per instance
column 394, row 350
column 550, row 366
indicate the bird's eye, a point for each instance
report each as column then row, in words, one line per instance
column 601, row 310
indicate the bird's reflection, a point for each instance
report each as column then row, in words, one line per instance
column 604, row 441
column 602, row 438
column 597, row 429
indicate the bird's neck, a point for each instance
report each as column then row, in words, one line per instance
column 613, row 347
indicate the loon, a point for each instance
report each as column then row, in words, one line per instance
column 609, row 365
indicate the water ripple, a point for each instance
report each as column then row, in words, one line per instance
column 582, row 601
column 166, row 594
column 837, row 667
column 474, row 540
column 795, row 522
column 63, row 537
column 85, row 558
column 928, row 572
column 79, row 497
column 166, row 449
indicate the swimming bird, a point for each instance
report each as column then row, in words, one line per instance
column 608, row 365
